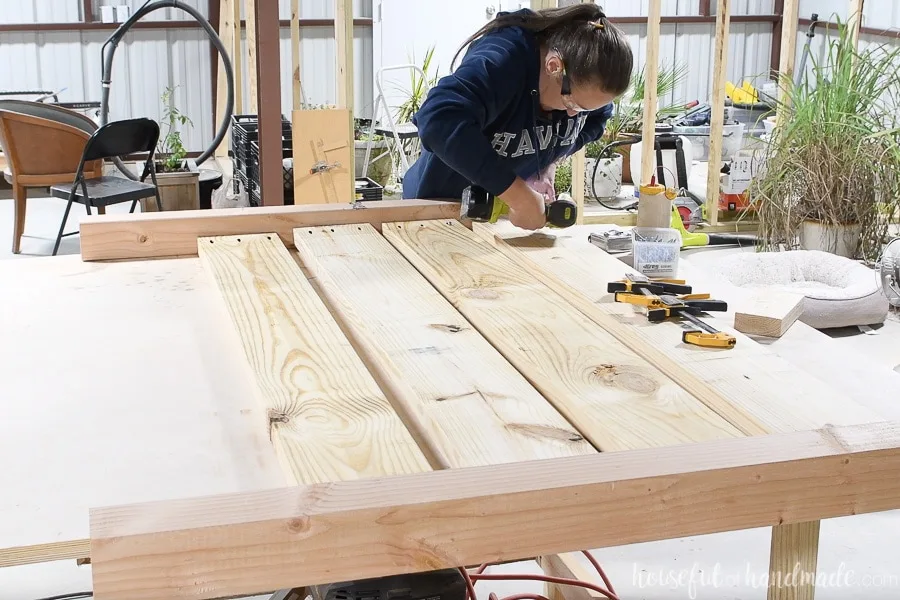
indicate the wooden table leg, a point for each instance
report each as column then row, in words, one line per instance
column 19, row 197
column 567, row 566
column 792, row 562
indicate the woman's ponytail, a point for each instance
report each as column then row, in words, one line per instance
column 594, row 50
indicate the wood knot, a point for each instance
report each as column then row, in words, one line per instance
column 447, row 328
column 625, row 377
column 142, row 238
column 298, row 525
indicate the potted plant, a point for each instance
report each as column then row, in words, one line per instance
column 831, row 175
column 603, row 171
column 178, row 177
column 628, row 110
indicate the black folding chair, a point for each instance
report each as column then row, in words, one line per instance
column 113, row 139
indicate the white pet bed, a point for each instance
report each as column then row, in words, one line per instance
column 839, row 292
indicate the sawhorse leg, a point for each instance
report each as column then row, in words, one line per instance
column 792, row 561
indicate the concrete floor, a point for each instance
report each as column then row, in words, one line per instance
column 857, row 558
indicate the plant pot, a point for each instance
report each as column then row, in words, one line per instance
column 379, row 170
column 179, row 190
column 842, row 240
column 607, row 179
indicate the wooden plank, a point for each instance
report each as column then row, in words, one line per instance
column 230, row 545
column 568, row 566
column 227, row 31
column 343, row 44
column 578, row 169
column 154, row 235
column 296, row 82
column 788, row 55
column 327, row 418
column 768, row 313
column 237, row 58
column 615, row 399
column 772, row 394
column 717, row 118
column 323, row 139
column 165, row 379
column 252, row 71
column 651, row 76
column 472, row 405
column 854, row 20
column 794, row 556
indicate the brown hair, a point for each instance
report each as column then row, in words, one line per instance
column 594, row 51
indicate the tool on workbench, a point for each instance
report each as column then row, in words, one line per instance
column 480, row 205
column 661, row 307
column 446, row 584
column 693, row 239
column 612, row 240
column 635, row 284
column 322, row 167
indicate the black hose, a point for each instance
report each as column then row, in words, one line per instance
column 108, row 52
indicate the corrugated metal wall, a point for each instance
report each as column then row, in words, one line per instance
column 150, row 60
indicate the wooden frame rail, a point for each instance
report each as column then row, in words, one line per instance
column 235, row 544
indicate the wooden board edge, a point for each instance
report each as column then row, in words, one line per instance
column 422, row 522
column 43, row 553
column 167, row 234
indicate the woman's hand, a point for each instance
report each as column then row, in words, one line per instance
column 543, row 183
column 526, row 206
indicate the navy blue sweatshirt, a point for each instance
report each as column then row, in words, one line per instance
column 483, row 124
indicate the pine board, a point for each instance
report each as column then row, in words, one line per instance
column 327, row 418
column 615, row 398
column 754, row 380
column 473, row 406
column 768, row 313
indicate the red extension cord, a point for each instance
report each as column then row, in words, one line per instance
column 478, row 575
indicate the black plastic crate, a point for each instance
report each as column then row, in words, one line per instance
column 367, row 190
column 245, row 131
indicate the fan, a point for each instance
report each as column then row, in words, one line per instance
column 889, row 272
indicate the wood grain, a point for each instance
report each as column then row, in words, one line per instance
column 794, row 557
column 252, row 67
column 344, row 54
column 228, row 29
column 758, row 391
column 473, row 407
column 717, row 118
column 615, row 398
column 231, row 545
column 768, row 313
column 296, row 79
column 327, row 418
column 323, row 138
column 155, row 235
column 788, row 55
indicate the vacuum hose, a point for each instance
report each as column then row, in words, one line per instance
column 109, row 50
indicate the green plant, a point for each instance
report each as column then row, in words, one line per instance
column 836, row 157
column 628, row 109
column 563, row 179
column 170, row 148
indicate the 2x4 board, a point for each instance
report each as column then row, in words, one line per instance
column 440, row 397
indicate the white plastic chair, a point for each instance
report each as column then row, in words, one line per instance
column 397, row 131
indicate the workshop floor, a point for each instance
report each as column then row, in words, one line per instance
column 857, row 557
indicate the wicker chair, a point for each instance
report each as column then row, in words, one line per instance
column 43, row 145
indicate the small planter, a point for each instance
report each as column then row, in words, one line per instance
column 179, row 190
column 607, row 179
column 379, row 170
column 842, row 240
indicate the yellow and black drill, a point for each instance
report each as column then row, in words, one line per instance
column 480, row 205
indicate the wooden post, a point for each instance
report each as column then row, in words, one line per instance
column 717, row 121
column 252, row 63
column 651, row 70
column 268, row 97
column 227, row 33
column 295, row 54
column 788, row 54
column 793, row 560
column 237, row 58
column 343, row 36
column 854, row 19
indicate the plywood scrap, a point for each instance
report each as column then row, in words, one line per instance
column 768, row 313
column 327, row 418
column 243, row 544
column 323, row 157
column 617, row 399
column 474, row 406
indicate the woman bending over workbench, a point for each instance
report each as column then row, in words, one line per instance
column 533, row 88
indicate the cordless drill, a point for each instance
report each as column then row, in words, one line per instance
column 479, row 205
